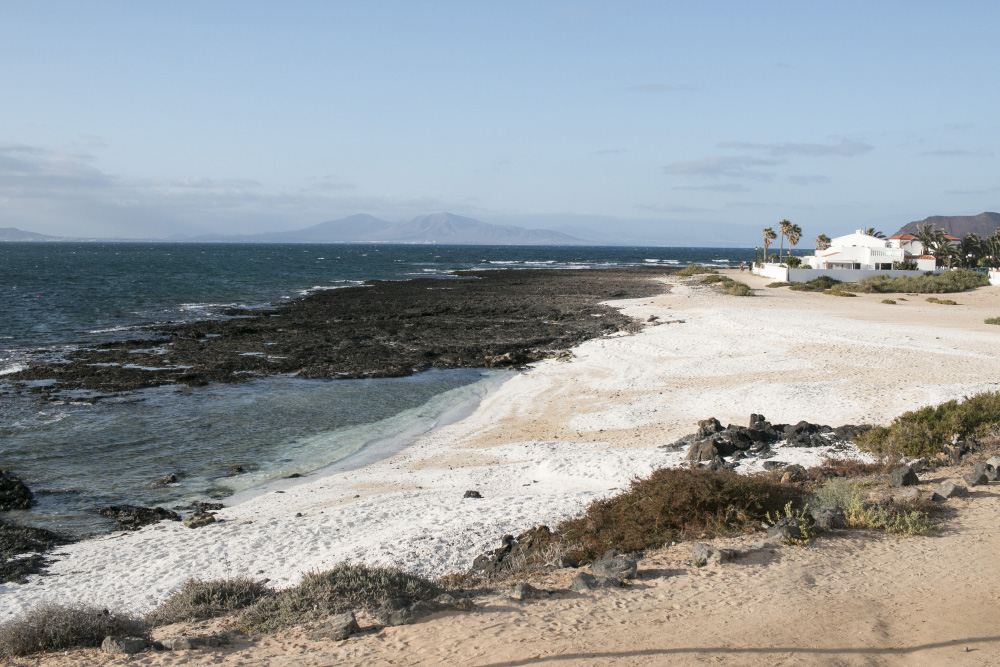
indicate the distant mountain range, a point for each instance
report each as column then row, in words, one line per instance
column 445, row 228
column 15, row 234
column 983, row 224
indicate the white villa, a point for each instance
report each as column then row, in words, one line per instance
column 859, row 251
column 855, row 256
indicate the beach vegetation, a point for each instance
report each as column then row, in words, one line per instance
column 848, row 467
column 958, row 280
column 905, row 265
column 199, row 599
column 695, row 269
column 889, row 302
column 322, row 594
column 711, row 279
column 672, row 504
column 793, row 262
column 943, row 302
column 769, row 237
column 822, row 242
column 820, row 284
column 779, row 283
column 910, row 518
column 728, row 285
column 838, row 291
column 52, row 627
column 802, row 520
column 923, row 432
column 992, row 320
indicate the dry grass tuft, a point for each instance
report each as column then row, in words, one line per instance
column 51, row 627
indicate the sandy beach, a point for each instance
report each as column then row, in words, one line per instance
column 544, row 444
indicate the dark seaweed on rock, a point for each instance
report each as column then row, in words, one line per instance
column 382, row 329
column 22, row 549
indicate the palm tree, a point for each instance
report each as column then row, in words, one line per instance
column 822, row 242
column 929, row 237
column 972, row 249
column 794, row 236
column 871, row 231
column 769, row 236
column 784, row 227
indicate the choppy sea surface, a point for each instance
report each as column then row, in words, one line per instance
column 79, row 457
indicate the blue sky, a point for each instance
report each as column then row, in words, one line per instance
column 663, row 122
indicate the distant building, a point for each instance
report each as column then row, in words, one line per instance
column 859, row 251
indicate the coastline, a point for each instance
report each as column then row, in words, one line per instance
column 549, row 441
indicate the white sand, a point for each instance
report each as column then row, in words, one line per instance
column 547, row 442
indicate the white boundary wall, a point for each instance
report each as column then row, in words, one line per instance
column 994, row 276
column 780, row 273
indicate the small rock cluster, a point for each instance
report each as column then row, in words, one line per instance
column 714, row 443
column 14, row 494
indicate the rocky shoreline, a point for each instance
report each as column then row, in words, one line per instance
column 493, row 319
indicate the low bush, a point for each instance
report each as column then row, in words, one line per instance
column 820, row 284
column 838, row 292
column 922, row 432
column 675, row 503
column 779, row 283
column 713, row 278
column 52, row 627
column 958, row 280
column 695, row 269
column 847, row 468
column 335, row 591
column 943, row 302
column 208, row 599
column 910, row 518
column 736, row 288
column 891, row 302
column 992, row 320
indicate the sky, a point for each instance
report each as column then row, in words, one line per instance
column 669, row 123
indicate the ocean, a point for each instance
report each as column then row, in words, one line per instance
column 78, row 457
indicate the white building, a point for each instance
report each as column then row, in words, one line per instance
column 859, row 251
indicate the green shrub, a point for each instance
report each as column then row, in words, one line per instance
column 208, row 599
column 992, row 320
column 675, row 503
column 958, row 280
column 714, row 278
column 943, row 302
column 820, row 284
column 891, row 302
column 52, row 627
column 779, row 284
column 335, row 591
column 922, row 432
column 736, row 288
column 838, row 292
column 695, row 269
column 911, row 518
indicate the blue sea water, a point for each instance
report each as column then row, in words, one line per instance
column 79, row 457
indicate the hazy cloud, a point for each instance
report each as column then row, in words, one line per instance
column 809, row 179
column 845, row 148
column 659, row 88
column 733, row 166
column 958, row 152
column 715, row 187
column 670, row 208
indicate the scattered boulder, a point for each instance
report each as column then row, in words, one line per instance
column 615, row 568
column 992, row 469
column 793, row 473
column 709, row 427
column 514, row 552
column 911, row 494
column 976, row 479
column 403, row 611
column 124, row 645
column 132, row 517
column 588, row 582
column 948, row 490
column 199, row 519
column 564, row 562
column 337, row 628
column 704, row 450
column 472, row 494
column 449, row 601
column 524, row 591
column 784, row 530
column 189, row 643
column 903, row 476
column 172, row 478
column 829, row 518
column 706, row 554
column 14, row 494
